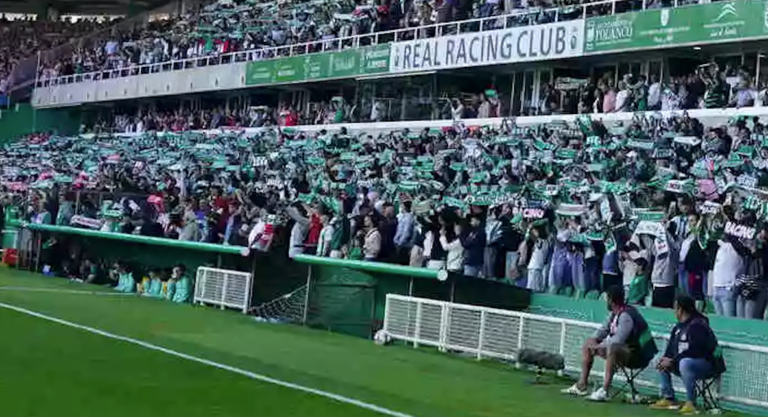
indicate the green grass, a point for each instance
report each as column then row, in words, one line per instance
column 49, row 368
column 46, row 367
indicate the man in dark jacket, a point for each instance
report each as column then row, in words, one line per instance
column 388, row 230
column 691, row 353
column 474, row 247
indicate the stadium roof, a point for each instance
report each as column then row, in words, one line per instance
column 107, row 7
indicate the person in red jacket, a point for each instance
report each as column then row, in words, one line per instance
column 315, row 227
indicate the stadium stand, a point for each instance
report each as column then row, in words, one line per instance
column 553, row 207
column 562, row 175
column 736, row 88
column 228, row 31
column 24, row 38
column 227, row 26
column 582, row 145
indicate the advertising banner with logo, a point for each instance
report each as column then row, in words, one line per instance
column 503, row 46
column 315, row 67
column 696, row 24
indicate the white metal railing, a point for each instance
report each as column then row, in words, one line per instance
column 355, row 41
column 501, row 334
column 223, row 288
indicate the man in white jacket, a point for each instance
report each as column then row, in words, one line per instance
column 728, row 265
column 298, row 232
column 326, row 236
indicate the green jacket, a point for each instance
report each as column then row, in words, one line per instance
column 182, row 292
column 154, row 288
column 170, row 289
column 125, row 283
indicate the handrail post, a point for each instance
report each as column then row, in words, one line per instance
column 305, row 315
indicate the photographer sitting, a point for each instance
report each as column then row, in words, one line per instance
column 690, row 354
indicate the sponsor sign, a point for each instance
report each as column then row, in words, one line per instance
column 696, row 24
column 315, row 67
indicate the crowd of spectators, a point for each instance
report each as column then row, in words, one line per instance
column 226, row 26
column 657, row 205
column 709, row 87
column 184, row 120
column 181, row 120
column 20, row 39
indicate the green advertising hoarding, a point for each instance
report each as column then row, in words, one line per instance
column 697, row 24
column 314, row 67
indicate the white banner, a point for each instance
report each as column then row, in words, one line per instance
column 504, row 46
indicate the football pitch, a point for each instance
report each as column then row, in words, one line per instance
column 73, row 349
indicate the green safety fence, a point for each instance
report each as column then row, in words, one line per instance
column 661, row 320
column 350, row 296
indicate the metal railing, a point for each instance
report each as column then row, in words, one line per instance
column 517, row 19
column 502, row 334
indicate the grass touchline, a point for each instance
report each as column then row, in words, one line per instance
column 218, row 365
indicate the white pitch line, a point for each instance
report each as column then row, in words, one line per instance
column 61, row 291
column 243, row 372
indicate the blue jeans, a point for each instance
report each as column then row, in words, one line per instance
column 725, row 301
column 511, row 262
column 472, row 271
column 682, row 279
column 754, row 308
column 536, row 280
column 691, row 370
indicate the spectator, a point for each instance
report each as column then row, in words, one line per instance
column 405, row 234
column 728, row 264
column 752, row 285
column 716, row 95
column 451, row 244
column 540, row 249
column 694, row 260
column 690, row 354
column 473, row 242
column 654, row 93
column 609, row 100
column 457, row 109
column 299, row 230
column 665, row 251
column 388, row 227
column 623, row 100
column 372, row 239
column 326, row 235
